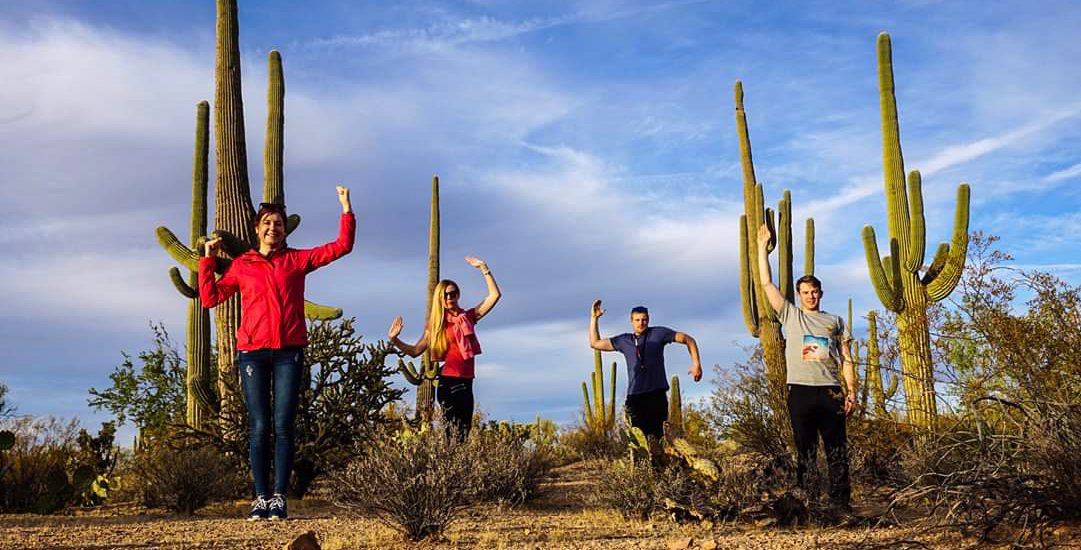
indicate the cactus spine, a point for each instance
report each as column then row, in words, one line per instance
column 758, row 314
column 601, row 415
column 896, row 277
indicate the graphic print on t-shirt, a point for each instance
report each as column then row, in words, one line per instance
column 816, row 348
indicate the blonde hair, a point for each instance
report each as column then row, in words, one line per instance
column 437, row 335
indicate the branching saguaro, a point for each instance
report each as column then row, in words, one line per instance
column 761, row 320
column 897, row 277
column 600, row 413
column 425, row 377
column 234, row 213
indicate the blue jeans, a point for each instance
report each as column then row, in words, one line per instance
column 268, row 374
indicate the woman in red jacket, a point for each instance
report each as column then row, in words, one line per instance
column 449, row 337
column 271, row 338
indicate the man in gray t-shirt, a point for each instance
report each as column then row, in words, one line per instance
column 816, row 347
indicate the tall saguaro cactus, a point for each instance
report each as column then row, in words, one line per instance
column 233, row 212
column 758, row 314
column 424, row 378
column 199, row 375
column 600, row 414
column 897, row 277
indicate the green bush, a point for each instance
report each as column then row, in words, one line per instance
column 36, row 471
column 510, row 465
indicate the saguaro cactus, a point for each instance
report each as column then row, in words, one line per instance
column 897, row 277
column 758, row 314
column 424, row 378
column 600, row 415
column 873, row 370
column 200, row 403
column 233, row 206
column 675, row 409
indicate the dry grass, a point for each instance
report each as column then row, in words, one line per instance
column 560, row 519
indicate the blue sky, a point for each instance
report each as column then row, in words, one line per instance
column 586, row 149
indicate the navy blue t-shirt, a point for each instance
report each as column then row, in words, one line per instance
column 645, row 367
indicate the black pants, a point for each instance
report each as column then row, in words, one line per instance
column 455, row 396
column 818, row 410
column 648, row 411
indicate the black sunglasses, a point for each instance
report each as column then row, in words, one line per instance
column 272, row 206
column 451, row 294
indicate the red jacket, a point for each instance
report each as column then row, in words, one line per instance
column 272, row 289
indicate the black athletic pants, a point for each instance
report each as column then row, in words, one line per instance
column 818, row 410
column 648, row 411
column 455, row 396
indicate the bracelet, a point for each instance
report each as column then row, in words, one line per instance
column 486, row 272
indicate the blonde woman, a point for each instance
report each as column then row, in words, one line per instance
column 450, row 337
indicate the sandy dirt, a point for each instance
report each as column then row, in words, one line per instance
column 561, row 519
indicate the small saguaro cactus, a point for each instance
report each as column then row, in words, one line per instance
column 873, row 370
column 903, row 284
column 758, row 314
column 675, row 409
column 600, row 414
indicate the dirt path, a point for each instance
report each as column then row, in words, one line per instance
column 560, row 519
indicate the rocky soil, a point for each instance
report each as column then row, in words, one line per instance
column 561, row 519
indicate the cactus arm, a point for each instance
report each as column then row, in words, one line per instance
column 946, row 280
column 892, row 389
column 746, row 284
column 675, row 407
column 317, row 312
column 181, row 286
column 233, row 245
column 887, row 293
column 784, row 246
column 937, row 264
column 913, row 253
column 179, row 251
column 291, row 223
column 590, row 419
column 274, row 144
column 598, row 399
column 809, row 250
column 409, row 372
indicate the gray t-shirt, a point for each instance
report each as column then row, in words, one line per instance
column 812, row 345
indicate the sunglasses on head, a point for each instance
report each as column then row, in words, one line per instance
column 272, row 206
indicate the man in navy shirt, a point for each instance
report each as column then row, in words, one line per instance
column 647, row 381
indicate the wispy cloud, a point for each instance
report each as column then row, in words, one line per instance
column 1064, row 174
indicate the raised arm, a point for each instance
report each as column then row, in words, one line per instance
column 692, row 348
column 213, row 291
column 493, row 289
column 416, row 349
column 595, row 340
column 773, row 294
column 317, row 257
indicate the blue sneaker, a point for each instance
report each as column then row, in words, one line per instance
column 278, row 509
column 258, row 508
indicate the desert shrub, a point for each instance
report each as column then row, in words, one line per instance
column 183, row 474
column 53, row 464
column 36, row 475
column 416, row 482
column 584, row 443
column 876, row 448
column 630, row 487
column 740, row 410
column 510, row 464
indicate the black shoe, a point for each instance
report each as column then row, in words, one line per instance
column 278, row 509
column 258, row 508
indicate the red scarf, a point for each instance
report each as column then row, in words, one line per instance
column 462, row 334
